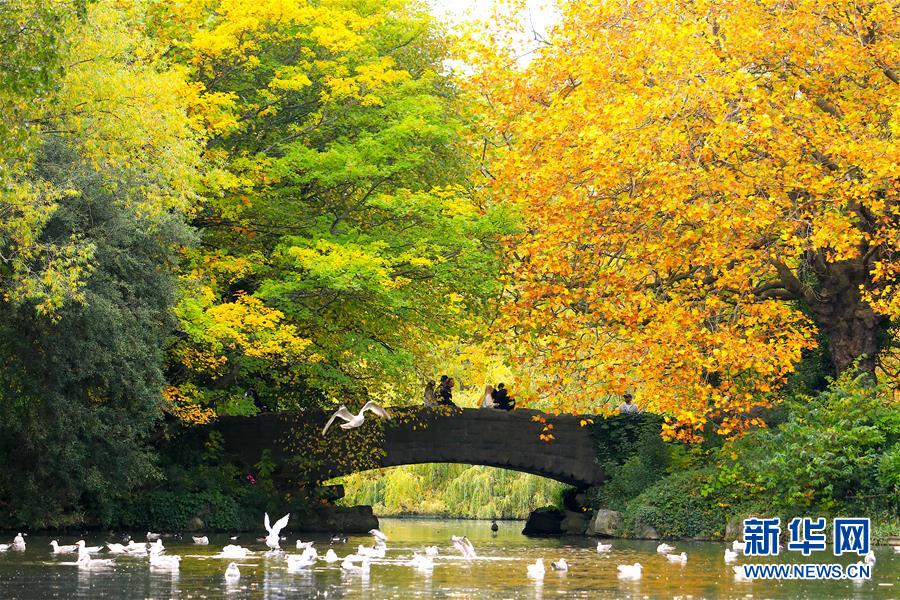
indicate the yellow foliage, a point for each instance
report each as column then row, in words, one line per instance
column 682, row 168
column 187, row 411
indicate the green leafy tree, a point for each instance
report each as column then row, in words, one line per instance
column 347, row 241
column 31, row 69
column 79, row 394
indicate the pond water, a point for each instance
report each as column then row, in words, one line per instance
column 498, row 572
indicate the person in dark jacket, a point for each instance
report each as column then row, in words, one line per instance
column 502, row 399
column 445, row 392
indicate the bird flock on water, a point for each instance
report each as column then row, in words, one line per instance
column 357, row 562
column 155, row 551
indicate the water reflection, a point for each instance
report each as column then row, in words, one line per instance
column 164, row 583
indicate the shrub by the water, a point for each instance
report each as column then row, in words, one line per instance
column 676, row 508
column 175, row 510
column 837, row 451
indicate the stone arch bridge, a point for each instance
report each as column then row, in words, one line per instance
column 416, row 435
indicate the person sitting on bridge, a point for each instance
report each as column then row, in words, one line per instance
column 502, row 399
column 429, row 393
column 627, row 407
column 488, row 400
column 261, row 406
column 445, row 391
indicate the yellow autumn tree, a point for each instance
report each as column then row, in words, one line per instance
column 93, row 80
column 707, row 187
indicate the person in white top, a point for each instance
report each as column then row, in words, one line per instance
column 488, row 400
column 627, row 406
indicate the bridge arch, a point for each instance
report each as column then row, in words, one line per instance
column 418, row 435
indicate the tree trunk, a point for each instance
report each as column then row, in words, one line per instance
column 850, row 324
column 852, row 332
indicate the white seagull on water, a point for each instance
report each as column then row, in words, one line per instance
column 57, row 549
column 233, row 551
column 136, row 548
column 232, row 573
column 349, row 564
column 375, row 552
column 86, row 562
column 330, row 556
column 423, row 563
column 630, row 571
column 353, row 421
column 300, row 561
column 272, row 540
column 156, row 547
column 169, row 563
column 537, row 569
column 89, row 549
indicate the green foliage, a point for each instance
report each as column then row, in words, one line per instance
column 354, row 217
column 633, row 456
column 628, row 480
column 451, row 490
column 889, row 470
column 30, row 64
column 675, row 508
column 837, row 450
column 79, row 395
column 46, row 269
column 175, row 510
column 618, row 437
column 197, row 483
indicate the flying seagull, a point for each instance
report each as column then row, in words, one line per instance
column 272, row 540
column 354, row 421
column 378, row 535
column 463, row 544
